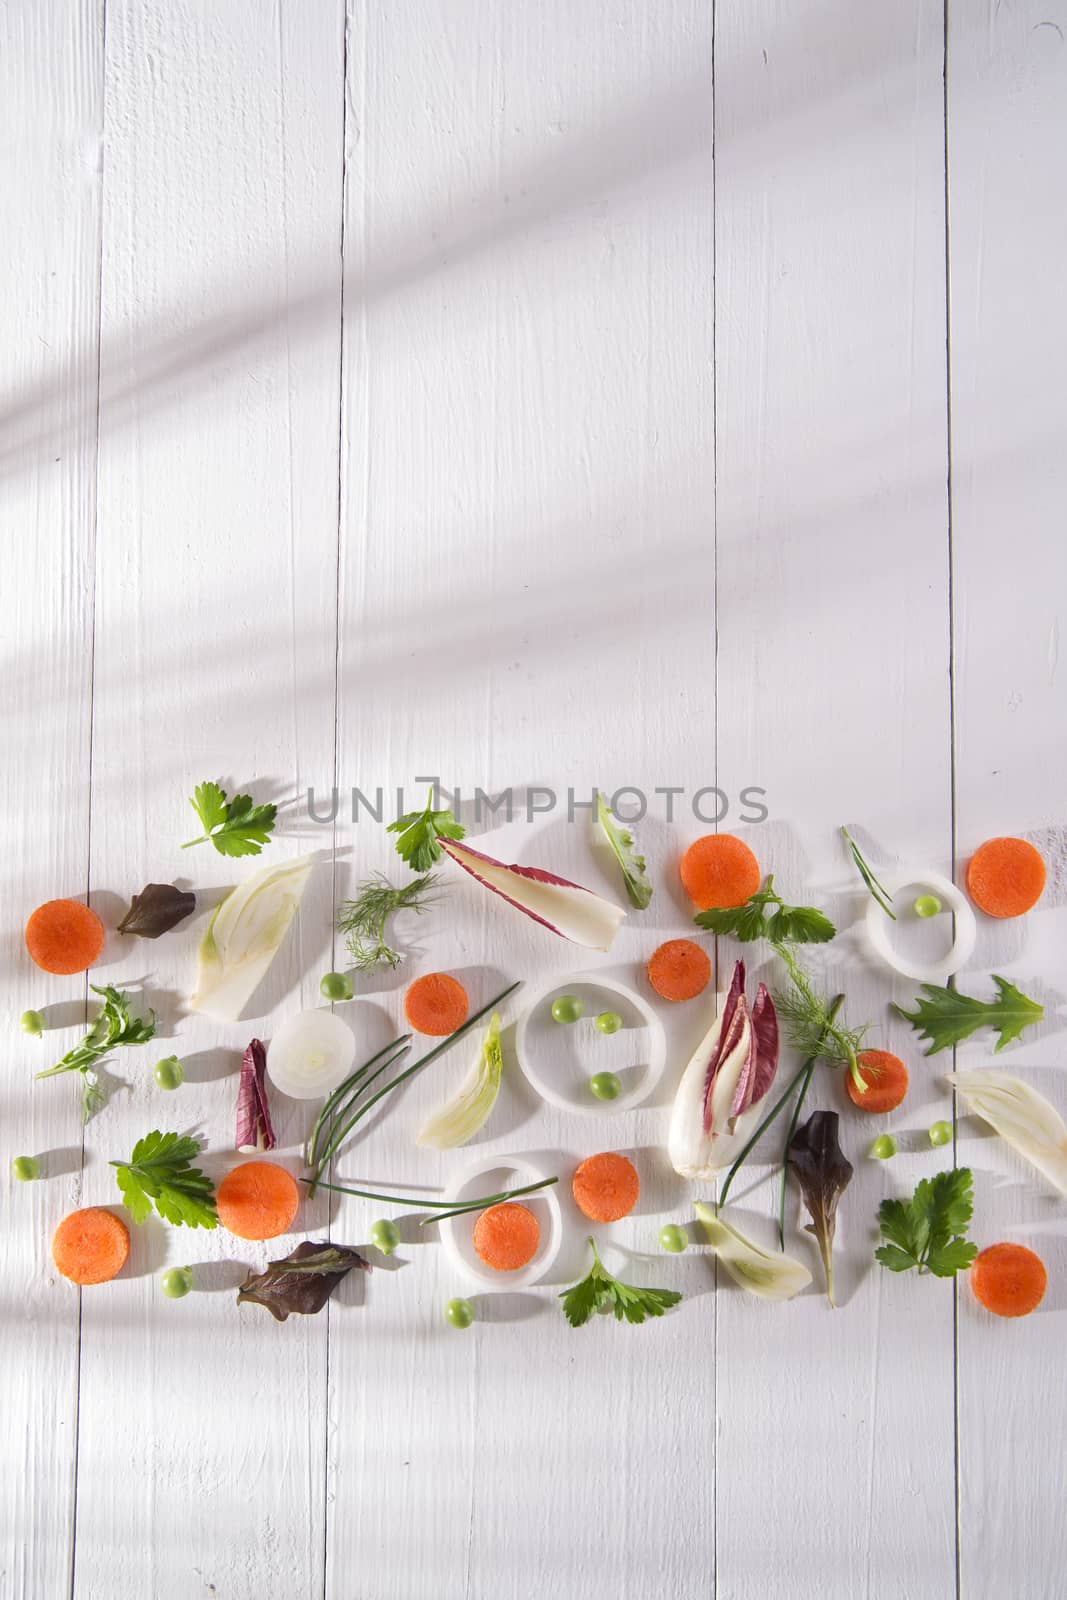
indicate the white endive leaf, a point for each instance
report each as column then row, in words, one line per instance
column 462, row 1117
column 556, row 903
column 1022, row 1117
column 694, row 1153
column 244, row 935
column 771, row 1277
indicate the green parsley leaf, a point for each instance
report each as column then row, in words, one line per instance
column 419, row 832
column 926, row 1231
column 620, row 837
column 113, row 1027
column 160, row 1173
column 786, row 925
column 236, row 827
column 946, row 1017
column 599, row 1289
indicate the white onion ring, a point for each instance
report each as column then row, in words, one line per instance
column 962, row 945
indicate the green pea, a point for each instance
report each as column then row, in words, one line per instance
column 673, row 1239
column 927, row 905
column 940, row 1133
column 568, row 1008
column 169, row 1073
column 176, row 1283
column 384, row 1236
column 605, row 1085
column 884, row 1147
column 32, row 1022
column 459, row 1313
column 336, row 986
column 609, row 1022
column 25, row 1169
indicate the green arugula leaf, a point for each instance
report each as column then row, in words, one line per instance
column 599, row 1289
column 418, row 834
column 160, row 1173
column 112, row 1028
column 926, row 1231
column 236, row 827
column 786, row 925
column 623, row 846
column 946, row 1017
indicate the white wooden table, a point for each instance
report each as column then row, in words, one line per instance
column 556, row 394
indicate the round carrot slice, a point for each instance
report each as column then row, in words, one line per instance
column 63, row 937
column 1009, row 1280
column 436, row 1004
column 886, row 1077
column 1005, row 877
column 257, row 1200
column 719, row 870
column 506, row 1237
column 679, row 970
column 91, row 1246
column 606, row 1187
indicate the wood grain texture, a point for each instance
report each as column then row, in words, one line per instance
column 623, row 476
column 833, row 692
column 1007, row 90
column 201, row 1452
column 50, row 89
column 528, row 599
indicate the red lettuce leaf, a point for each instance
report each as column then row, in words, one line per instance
column 303, row 1281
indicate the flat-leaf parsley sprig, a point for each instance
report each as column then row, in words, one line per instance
column 160, row 1173
column 926, row 1232
column 236, row 827
column 599, row 1289
column 418, row 832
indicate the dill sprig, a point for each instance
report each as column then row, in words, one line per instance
column 362, row 920
column 810, row 1020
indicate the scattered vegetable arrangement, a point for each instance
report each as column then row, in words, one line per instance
column 718, row 1117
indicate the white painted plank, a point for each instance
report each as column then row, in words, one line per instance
column 836, row 1472
column 528, row 598
column 202, row 1425
column 1007, row 91
column 50, row 83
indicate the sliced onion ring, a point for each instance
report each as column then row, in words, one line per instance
column 962, row 945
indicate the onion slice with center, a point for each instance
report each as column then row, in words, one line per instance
column 310, row 1054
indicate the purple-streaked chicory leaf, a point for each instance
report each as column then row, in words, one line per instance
column 556, row 903
column 303, row 1281
column 158, row 908
column 824, row 1173
column 734, row 1017
column 254, row 1130
column 757, row 1074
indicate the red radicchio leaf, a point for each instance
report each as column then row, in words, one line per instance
column 734, row 1013
column 758, row 1072
column 254, row 1130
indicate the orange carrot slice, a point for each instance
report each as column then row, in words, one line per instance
column 91, row 1246
column 886, row 1078
column 679, row 970
column 606, row 1187
column 63, row 936
column 719, row 870
column 257, row 1200
column 506, row 1237
column 1005, row 877
column 436, row 1004
column 1009, row 1280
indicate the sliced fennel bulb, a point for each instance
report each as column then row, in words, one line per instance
column 771, row 1277
column 470, row 1109
column 244, row 935
column 1023, row 1118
